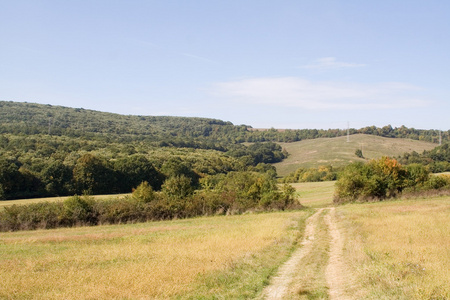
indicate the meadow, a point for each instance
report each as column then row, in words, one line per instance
column 337, row 152
column 230, row 256
column 397, row 249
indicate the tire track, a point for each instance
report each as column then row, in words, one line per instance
column 335, row 273
column 336, row 277
column 278, row 287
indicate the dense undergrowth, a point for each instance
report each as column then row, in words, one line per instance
column 385, row 178
column 234, row 193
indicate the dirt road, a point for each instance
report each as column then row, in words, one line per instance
column 316, row 268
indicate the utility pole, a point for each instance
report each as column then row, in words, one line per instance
column 50, row 126
column 348, row 132
column 440, row 137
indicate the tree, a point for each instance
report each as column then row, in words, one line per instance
column 92, row 175
column 177, row 187
column 144, row 193
column 133, row 170
column 175, row 167
column 359, row 153
column 10, row 179
column 57, row 178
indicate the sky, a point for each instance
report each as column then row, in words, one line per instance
column 267, row 64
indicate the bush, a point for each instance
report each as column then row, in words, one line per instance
column 322, row 173
column 235, row 192
column 177, row 187
column 384, row 178
column 378, row 179
column 79, row 211
column 144, row 193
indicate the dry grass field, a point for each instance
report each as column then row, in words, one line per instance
column 392, row 250
column 399, row 249
column 230, row 255
column 338, row 152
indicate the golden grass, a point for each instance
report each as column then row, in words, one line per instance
column 148, row 260
column 338, row 152
column 400, row 249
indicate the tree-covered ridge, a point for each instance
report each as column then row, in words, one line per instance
column 30, row 118
column 437, row 160
column 45, row 165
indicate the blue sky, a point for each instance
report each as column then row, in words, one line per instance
column 282, row 64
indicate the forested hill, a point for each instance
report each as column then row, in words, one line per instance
column 30, row 118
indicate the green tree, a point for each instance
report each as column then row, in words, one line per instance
column 176, row 167
column 92, row 175
column 359, row 153
column 57, row 178
column 178, row 187
column 133, row 170
column 144, row 193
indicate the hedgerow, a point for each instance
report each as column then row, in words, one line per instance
column 234, row 193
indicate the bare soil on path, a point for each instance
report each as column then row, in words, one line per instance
column 325, row 276
column 280, row 283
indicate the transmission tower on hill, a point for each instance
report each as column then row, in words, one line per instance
column 348, row 132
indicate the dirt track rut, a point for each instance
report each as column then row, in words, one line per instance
column 282, row 284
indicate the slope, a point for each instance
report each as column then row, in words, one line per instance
column 338, row 152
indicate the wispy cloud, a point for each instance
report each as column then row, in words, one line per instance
column 198, row 57
column 172, row 51
column 321, row 95
column 326, row 63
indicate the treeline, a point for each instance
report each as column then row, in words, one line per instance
column 385, row 178
column 202, row 133
column 231, row 193
column 437, row 160
column 42, row 165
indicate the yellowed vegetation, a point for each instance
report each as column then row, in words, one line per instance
column 150, row 260
column 396, row 250
column 400, row 249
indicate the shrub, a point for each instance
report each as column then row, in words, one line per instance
column 79, row 210
column 177, row 187
column 144, row 193
column 322, row 173
column 378, row 179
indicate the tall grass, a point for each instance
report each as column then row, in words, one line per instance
column 400, row 249
column 172, row 259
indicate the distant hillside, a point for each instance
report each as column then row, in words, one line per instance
column 338, row 152
column 31, row 118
